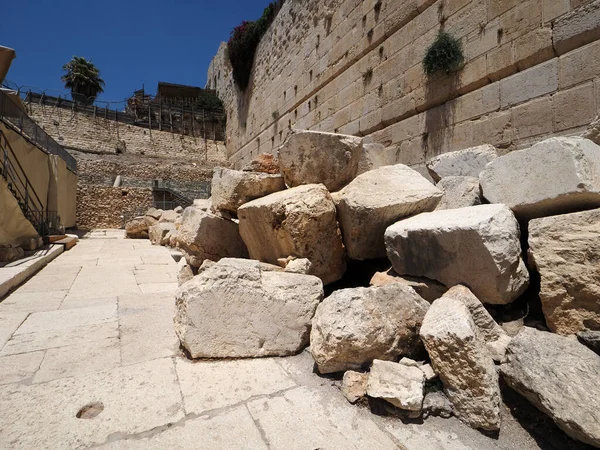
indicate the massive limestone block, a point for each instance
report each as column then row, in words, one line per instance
column 565, row 250
column 560, row 377
column 476, row 246
column 398, row 384
column 554, row 176
column 462, row 163
column 430, row 290
column 232, row 188
column 312, row 157
column 299, row 222
column 137, row 228
column 159, row 233
column 236, row 309
column 459, row 192
column 375, row 156
column 352, row 327
column 203, row 235
column 375, row 200
column 463, row 363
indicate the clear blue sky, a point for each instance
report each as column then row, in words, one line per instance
column 130, row 41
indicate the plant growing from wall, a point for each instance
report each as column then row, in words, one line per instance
column 82, row 77
column 244, row 40
column 445, row 53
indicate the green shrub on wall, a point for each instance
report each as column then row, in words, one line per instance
column 243, row 43
column 444, row 54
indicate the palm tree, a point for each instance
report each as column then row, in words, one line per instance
column 83, row 79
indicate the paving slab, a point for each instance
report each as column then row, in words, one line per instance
column 19, row 368
column 30, row 302
column 152, row 288
column 69, row 318
column 155, row 276
column 9, row 322
column 72, row 301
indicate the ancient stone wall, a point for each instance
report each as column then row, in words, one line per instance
column 355, row 67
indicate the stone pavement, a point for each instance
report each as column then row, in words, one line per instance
column 89, row 358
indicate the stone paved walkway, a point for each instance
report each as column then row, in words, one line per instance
column 94, row 330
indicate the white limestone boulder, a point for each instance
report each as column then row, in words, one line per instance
column 476, row 246
column 560, row 377
column 459, row 192
column 299, row 222
column 555, row 176
column 352, row 327
column 398, row 384
column 465, row 367
column 137, row 228
column 159, row 233
column 462, row 163
column 354, row 385
column 232, row 188
column 565, row 250
column 203, row 235
column 313, row 157
column 375, row 156
column 375, row 200
column 236, row 309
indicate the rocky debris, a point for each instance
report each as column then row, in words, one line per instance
column 476, row 246
column 375, row 200
column 428, row 372
column 555, row 176
column 159, row 233
column 493, row 335
column 430, row 290
column 409, row 362
column 179, row 210
column 560, row 377
column 593, row 131
column 137, row 228
column 169, row 216
column 299, row 265
column 462, row 163
column 375, row 156
column 565, row 250
column 313, row 157
column 300, row 222
column 232, row 188
column 235, row 309
column 203, row 204
column 204, row 235
column 459, row 192
column 33, row 243
column 590, row 339
column 154, row 213
column 10, row 253
column 264, row 163
column 352, row 327
column 437, row 404
column 463, row 363
column 354, row 385
column 184, row 272
column 400, row 385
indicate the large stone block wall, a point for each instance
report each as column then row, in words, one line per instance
column 532, row 69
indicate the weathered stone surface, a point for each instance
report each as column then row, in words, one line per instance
column 203, row 235
column 430, row 290
column 179, row 210
column 234, row 309
column 375, row 156
column 232, row 188
column 459, row 192
column 463, row 363
column 352, row 327
column 565, row 250
column 159, row 233
column 203, row 204
column 184, row 272
column 476, row 246
column 375, row 200
column 264, row 163
column 299, row 222
column 428, row 372
column 398, row 384
column 462, row 163
column 299, row 265
column 154, row 213
column 437, row 404
column 354, row 385
column 8, row 254
column 169, row 216
column 590, row 339
column 137, row 228
column 560, row 377
column 312, row 157
column 495, row 338
column 593, row 131
column 555, row 176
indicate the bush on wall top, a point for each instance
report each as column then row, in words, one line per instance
column 444, row 54
column 243, row 43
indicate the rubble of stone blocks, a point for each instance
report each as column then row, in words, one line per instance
column 266, row 257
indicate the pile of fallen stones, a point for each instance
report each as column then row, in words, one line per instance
column 260, row 255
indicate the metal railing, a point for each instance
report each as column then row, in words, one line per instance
column 14, row 116
column 176, row 198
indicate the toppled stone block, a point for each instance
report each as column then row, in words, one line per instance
column 184, row 272
column 463, row 363
column 462, row 163
column 169, row 216
column 477, row 246
column 203, row 235
column 375, row 156
column 159, row 233
column 235, row 309
column 299, row 222
column 459, row 192
column 375, row 200
column 560, row 377
column 232, row 188
column 313, row 157
column 137, row 228
column 352, row 327
column 154, row 213
column 565, row 250
column 555, row 176
column 400, row 385
column 263, row 163
column 430, row 290
column 354, row 385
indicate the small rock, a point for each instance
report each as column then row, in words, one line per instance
column 300, row 265
column 409, row 362
column 590, row 339
column 430, row 290
column 184, row 272
column 437, row 404
column 354, row 385
column 459, row 192
column 428, row 372
column 400, row 385
column 159, row 233
column 462, row 163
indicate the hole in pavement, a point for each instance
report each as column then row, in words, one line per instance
column 90, row 410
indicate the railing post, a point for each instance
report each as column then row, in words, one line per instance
column 26, row 193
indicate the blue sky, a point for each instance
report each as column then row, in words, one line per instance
column 132, row 42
